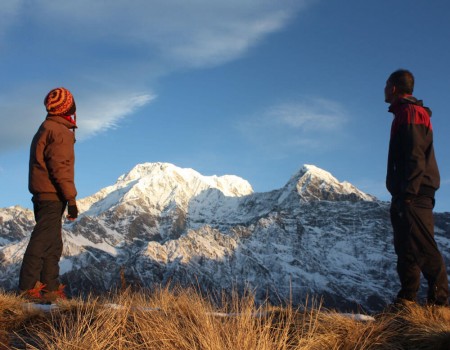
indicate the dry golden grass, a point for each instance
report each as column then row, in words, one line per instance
column 183, row 319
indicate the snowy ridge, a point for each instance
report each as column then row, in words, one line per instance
column 314, row 183
column 160, row 224
column 311, row 183
column 15, row 224
column 160, row 184
column 230, row 185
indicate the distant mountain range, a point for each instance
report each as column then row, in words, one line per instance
column 160, row 224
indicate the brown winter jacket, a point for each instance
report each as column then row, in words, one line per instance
column 52, row 160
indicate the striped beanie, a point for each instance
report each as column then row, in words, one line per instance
column 59, row 101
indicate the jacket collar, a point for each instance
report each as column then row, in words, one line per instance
column 407, row 99
column 61, row 120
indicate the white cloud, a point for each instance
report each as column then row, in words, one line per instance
column 121, row 46
column 96, row 113
column 224, row 39
column 311, row 124
column 105, row 112
column 182, row 33
column 314, row 114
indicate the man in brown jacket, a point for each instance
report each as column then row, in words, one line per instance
column 51, row 182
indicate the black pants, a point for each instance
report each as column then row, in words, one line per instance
column 417, row 250
column 41, row 259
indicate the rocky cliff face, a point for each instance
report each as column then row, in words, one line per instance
column 160, row 224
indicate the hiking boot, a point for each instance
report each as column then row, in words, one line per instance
column 34, row 295
column 54, row 295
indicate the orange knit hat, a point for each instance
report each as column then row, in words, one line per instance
column 60, row 101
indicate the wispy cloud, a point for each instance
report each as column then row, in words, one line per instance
column 186, row 33
column 105, row 112
column 309, row 124
column 121, row 45
column 312, row 114
column 174, row 33
column 96, row 113
column 225, row 39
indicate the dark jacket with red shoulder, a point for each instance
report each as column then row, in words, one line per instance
column 412, row 168
column 52, row 161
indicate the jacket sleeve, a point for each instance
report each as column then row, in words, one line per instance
column 413, row 141
column 60, row 161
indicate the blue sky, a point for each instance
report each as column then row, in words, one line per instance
column 249, row 88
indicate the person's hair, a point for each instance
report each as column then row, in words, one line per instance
column 403, row 80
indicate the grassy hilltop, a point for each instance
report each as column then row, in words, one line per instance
column 185, row 320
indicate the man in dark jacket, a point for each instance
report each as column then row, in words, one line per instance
column 51, row 182
column 412, row 179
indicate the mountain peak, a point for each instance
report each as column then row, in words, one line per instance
column 313, row 183
column 159, row 185
column 229, row 185
column 150, row 169
column 314, row 171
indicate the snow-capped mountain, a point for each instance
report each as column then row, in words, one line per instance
column 160, row 224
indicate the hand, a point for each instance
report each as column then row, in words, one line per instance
column 72, row 212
